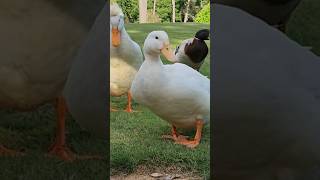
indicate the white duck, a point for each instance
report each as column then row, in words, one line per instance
column 175, row 92
column 38, row 43
column 126, row 56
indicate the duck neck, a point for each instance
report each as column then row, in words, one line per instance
column 124, row 33
column 153, row 59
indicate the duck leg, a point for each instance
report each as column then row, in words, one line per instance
column 175, row 135
column 59, row 148
column 195, row 142
column 129, row 106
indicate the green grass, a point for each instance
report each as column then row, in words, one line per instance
column 33, row 132
column 136, row 138
column 304, row 25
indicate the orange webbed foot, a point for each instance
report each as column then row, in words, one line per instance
column 130, row 110
column 183, row 140
column 196, row 141
column 61, row 151
column 64, row 153
column 175, row 135
column 9, row 152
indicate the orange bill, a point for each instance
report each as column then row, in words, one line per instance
column 115, row 37
column 167, row 52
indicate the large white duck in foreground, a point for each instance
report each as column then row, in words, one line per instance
column 175, row 92
column 125, row 56
column 39, row 40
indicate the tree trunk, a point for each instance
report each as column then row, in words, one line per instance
column 154, row 7
column 142, row 11
column 173, row 11
column 186, row 14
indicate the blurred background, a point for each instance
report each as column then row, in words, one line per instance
column 156, row 11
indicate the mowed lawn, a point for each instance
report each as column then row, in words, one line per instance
column 304, row 25
column 33, row 133
column 136, row 137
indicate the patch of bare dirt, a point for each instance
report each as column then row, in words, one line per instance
column 146, row 173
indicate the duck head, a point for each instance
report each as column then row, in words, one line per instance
column 156, row 43
column 195, row 49
column 116, row 24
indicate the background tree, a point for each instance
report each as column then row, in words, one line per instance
column 130, row 9
column 162, row 11
column 186, row 12
column 143, row 4
column 173, row 11
column 203, row 15
column 154, row 7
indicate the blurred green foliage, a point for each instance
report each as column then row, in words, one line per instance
column 163, row 9
column 130, row 9
column 203, row 15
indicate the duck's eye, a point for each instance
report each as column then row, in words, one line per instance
column 157, row 37
column 177, row 49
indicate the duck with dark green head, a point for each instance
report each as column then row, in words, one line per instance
column 193, row 51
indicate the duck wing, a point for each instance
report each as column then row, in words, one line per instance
column 187, row 76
